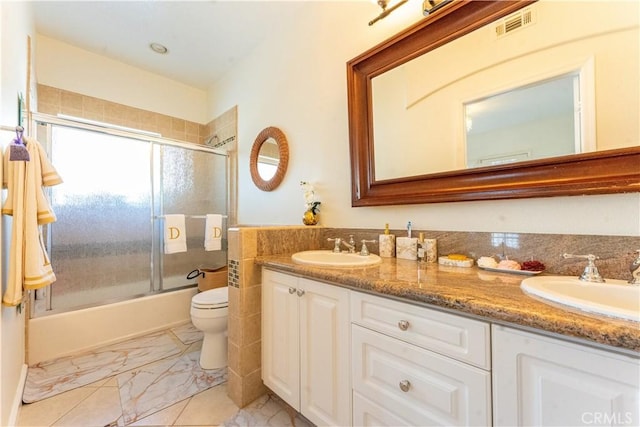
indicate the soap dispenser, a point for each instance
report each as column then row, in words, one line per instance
column 387, row 243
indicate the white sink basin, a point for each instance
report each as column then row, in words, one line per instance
column 615, row 298
column 334, row 259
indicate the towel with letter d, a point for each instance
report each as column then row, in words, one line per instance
column 175, row 236
column 213, row 232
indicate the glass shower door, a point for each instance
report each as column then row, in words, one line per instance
column 193, row 183
column 101, row 241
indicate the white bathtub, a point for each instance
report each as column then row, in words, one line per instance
column 68, row 333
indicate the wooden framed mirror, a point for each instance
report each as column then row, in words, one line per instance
column 269, row 158
column 597, row 172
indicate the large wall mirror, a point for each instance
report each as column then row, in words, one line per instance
column 499, row 99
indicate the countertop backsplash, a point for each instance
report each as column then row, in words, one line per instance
column 615, row 252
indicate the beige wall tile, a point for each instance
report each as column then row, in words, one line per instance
column 191, row 128
column 250, row 273
column 235, row 305
column 250, row 358
column 234, row 329
column 48, row 108
column 178, row 125
column 93, row 107
column 234, row 358
column 70, row 100
column 251, row 300
column 234, row 238
column 251, row 329
column 249, row 243
column 252, row 387
column 49, row 95
column 149, row 121
column 234, row 387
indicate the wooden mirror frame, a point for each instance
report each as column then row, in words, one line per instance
column 603, row 172
column 283, row 150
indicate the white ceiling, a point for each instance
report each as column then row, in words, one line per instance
column 205, row 38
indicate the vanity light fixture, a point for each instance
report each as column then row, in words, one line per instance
column 158, row 48
column 430, row 6
column 383, row 4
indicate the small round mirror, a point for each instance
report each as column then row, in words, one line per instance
column 269, row 158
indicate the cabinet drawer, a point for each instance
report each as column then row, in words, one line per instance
column 422, row 387
column 454, row 336
column 367, row 413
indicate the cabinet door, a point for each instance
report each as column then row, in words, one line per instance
column 542, row 381
column 324, row 354
column 280, row 363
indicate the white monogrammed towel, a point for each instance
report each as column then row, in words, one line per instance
column 213, row 232
column 175, row 236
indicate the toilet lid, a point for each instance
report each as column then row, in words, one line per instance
column 218, row 297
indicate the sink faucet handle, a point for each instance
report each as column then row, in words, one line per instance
column 337, row 240
column 590, row 273
column 365, row 251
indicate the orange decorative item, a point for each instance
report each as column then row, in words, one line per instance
column 310, row 218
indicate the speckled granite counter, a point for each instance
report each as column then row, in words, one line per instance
column 494, row 297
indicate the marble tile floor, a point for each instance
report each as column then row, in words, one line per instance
column 106, row 403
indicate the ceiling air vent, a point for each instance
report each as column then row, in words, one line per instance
column 520, row 19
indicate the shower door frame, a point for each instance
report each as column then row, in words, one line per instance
column 153, row 139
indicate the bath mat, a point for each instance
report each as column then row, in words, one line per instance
column 188, row 333
column 47, row 379
column 154, row 387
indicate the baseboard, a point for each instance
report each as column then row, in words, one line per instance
column 17, row 399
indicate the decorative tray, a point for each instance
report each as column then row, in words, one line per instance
column 506, row 270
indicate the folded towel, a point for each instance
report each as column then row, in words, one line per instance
column 175, row 237
column 213, row 232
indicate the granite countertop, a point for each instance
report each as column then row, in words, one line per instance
column 495, row 297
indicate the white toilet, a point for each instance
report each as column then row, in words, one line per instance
column 209, row 312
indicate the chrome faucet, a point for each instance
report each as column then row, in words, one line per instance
column 590, row 273
column 351, row 246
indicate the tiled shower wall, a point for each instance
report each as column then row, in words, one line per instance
column 53, row 101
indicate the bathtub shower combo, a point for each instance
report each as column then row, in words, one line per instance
column 106, row 246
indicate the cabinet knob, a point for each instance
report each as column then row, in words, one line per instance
column 300, row 292
column 292, row 290
column 403, row 325
column 405, row 385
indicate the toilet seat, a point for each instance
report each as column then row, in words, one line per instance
column 211, row 299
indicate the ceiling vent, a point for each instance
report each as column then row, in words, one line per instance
column 520, row 19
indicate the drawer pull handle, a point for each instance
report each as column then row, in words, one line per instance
column 405, row 385
column 403, row 325
column 300, row 292
column 292, row 290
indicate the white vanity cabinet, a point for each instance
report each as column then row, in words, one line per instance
column 305, row 346
column 416, row 366
column 543, row 381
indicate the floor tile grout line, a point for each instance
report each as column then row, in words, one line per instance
column 55, row 422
